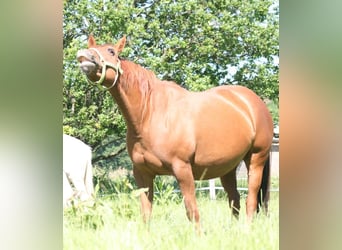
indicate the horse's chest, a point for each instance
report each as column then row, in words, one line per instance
column 145, row 159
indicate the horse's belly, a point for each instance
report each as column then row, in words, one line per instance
column 207, row 170
column 215, row 158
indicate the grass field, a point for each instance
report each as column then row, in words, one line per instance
column 114, row 222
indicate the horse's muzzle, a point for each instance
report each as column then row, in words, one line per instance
column 87, row 62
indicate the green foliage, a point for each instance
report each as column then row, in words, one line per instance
column 116, row 223
column 198, row 44
column 164, row 189
column 83, row 216
column 113, row 182
column 111, row 153
column 274, row 109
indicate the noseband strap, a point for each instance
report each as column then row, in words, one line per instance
column 106, row 65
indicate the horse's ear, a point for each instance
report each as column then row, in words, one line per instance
column 121, row 43
column 91, row 41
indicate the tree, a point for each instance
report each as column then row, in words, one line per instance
column 198, row 44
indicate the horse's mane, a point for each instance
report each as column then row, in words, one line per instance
column 144, row 80
column 137, row 76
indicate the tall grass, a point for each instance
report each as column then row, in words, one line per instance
column 114, row 222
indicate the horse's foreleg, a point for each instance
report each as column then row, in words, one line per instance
column 229, row 183
column 184, row 176
column 145, row 181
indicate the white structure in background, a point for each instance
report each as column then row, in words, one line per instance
column 77, row 170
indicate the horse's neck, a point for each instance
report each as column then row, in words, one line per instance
column 132, row 94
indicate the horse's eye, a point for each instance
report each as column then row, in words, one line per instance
column 111, row 51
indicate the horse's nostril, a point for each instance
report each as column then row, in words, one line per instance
column 81, row 59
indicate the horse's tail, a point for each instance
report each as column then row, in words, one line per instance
column 89, row 175
column 264, row 191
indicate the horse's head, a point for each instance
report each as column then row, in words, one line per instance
column 101, row 63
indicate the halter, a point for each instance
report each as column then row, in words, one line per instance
column 105, row 64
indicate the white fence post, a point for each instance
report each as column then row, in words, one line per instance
column 212, row 193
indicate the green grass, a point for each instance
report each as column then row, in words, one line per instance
column 114, row 222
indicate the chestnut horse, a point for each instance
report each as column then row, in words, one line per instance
column 191, row 135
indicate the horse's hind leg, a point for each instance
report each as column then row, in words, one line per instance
column 76, row 176
column 228, row 182
column 67, row 190
column 255, row 167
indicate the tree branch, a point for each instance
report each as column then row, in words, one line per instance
column 112, row 155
